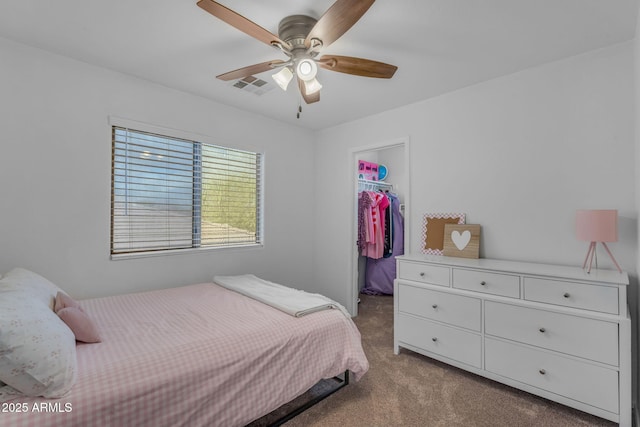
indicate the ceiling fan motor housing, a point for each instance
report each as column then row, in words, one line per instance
column 294, row 30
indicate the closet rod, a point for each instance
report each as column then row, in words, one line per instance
column 365, row 184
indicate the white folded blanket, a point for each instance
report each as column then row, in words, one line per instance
column 292, row 301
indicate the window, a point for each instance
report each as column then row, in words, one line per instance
column 169, row 193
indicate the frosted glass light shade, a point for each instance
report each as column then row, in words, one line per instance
column 312, row 86
column 306, row 69
column 597, row 225
column 283, row 77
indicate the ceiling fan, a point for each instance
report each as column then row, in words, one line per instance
column 302, row 38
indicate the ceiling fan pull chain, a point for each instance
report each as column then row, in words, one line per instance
column 299, row 106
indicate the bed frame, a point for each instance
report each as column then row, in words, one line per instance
column 313, row 396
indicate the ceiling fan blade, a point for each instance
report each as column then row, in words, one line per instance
column 337, row 20
column 241, row 23
column 309, row 99
column 357, row 66
column 250, row 70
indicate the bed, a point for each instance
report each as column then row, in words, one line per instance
column 198, row 355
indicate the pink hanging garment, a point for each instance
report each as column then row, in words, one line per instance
column 365, row 226
column 375, row 246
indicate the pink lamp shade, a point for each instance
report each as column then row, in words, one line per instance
column 598, row 225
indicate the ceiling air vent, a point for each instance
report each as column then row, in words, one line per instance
column 253, row 84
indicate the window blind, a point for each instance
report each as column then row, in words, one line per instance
column 170, row 193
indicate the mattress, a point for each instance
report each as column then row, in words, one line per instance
column 198, row 355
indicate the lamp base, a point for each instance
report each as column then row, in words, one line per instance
column 591, row 253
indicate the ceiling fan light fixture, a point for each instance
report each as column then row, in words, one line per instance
column 312, row 86
column 283, row 77
column 306, row 69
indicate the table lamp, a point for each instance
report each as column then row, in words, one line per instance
column 597, row 225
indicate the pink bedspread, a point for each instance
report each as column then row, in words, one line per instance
column 197, row 355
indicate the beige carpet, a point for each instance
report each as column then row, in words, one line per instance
column 414, row 390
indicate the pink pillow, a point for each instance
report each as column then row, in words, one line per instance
column 80, row 324
column 63, row 300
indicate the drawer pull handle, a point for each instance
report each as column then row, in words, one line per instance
column 434, row 306
column 566, row 295
column 542, row 330
column 542, row 371
column 434, row 339
column 422, row 274
column 483, row 283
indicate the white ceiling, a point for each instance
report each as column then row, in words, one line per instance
column 438, row 45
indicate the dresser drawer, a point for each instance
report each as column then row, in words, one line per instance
column 578, row 336
column 444, row 307
column 571, row 294
column 580, row 381
column 425, row 273
column 456, row 344
column 491, row 283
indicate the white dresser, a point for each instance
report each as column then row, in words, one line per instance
column 551, row 330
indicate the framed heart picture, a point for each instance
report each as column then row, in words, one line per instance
column 433, row 230
column 462, row 240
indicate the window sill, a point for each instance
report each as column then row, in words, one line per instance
column 189, row 251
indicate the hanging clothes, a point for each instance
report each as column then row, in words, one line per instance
column 378, row 213
column 380, row 273
column 364, row 220
column 372, row 216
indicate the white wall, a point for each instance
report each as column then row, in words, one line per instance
column 394, row 158
column 518, row 155
column 55, row 159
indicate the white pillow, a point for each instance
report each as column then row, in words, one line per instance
column 41, row 288
column 37, row 350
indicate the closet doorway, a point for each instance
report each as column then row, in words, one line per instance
column 394, row 155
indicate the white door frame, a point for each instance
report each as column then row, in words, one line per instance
column 405, row 185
